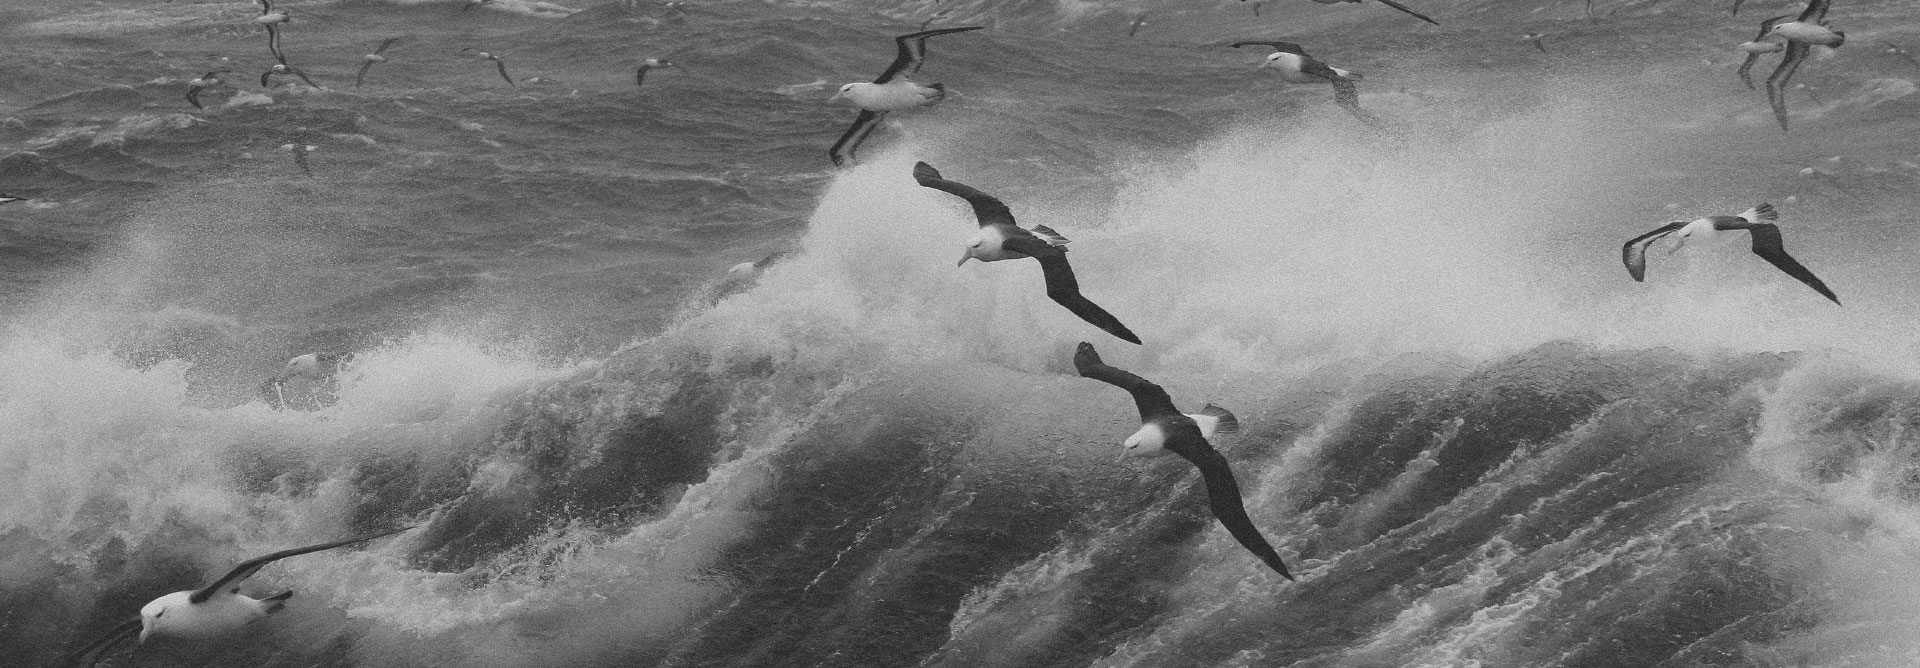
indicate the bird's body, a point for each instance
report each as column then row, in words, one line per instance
column 1164, row 429
column 368, row 61
column 1000, row 238
column 1807, row 32
column 891, row 91
column 1766, row 243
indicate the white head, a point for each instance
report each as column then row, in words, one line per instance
column 1150, row 441
column 973, row 249
column 153, row 617
column 846, row 91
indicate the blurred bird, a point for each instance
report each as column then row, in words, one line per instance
column 497, row 63
column 640, row 75
column 372, row 58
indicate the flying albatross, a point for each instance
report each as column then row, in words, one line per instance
column 891, row 91
column 640, row 75
column 1802, row 34
column 210, row 80
column 214, row 610
column 272, row 20
column 1297, row 67
column 1766, row 243
column 497, row 64
column 1001, row 239
column 1164, row 429
column 372, row 58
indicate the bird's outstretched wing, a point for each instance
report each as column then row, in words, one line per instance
column 1404, row 8
column 1151, row 399
column 1795, row 54
column 389, row 42
column 849, row 143
column 1768, row 245
column 1816, row 11
column 1223, row 495
column 987, row 208
column 1288, row 47
column 273, row 43
column 303, row 76
column 362, row 76
column 101, row 645
column 193, row 96
column 1063, row 288
column 247, row 568
column 502, row 66
column 913, row 52
column 1634, row 253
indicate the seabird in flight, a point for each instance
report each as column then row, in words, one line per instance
column 1536, row 39
column 214, row 610
column 1000, row 238
column 1137, row 22
column 272, row 20
column 891, row 91
column 1760, row 45
column 209, row 80
column 1766, row 243
column 497, row 63
column 8, row 199
column 1389, row 3
column 1297, row 67
column 1802, row 34
column 313, row 366
column 1164, row 429
column 640, row 75
column 283, row 68
column 372, row 58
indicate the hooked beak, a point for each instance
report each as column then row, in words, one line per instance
column 965, row 254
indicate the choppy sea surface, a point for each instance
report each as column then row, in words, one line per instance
column 1475, row 438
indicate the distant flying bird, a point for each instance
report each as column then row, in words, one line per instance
column 1759, row 45
column 1903, row 53
column 640, row 75
column 372, row 58
column 212, row 611
column 497, row 63
column 891, row 91
column 283, row 68
column 300, row 148
column 272, row 19
column 1736, row 7
column 209, row 80
column 313, row 366
column 1766, row 244
column 1537, row 39
column 1164, row 429
column 1137, row 22
column 1002, row 239
column 1296, row 66
column 1802, row 34
column 1389, row 3
column 475, row 3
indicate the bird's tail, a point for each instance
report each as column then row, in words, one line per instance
column 1760, row 212
column 1223, row 420
column 277, row 602
column 1051, row 237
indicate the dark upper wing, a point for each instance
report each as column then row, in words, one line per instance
column 247, row 568
column 913, row 52
column 640, row 76
column 105, row 642
column 849, row 143
column 1747, row 66
column 502, row 66
column 193, row 96
column 303, row 77
column 988, row 209
column 1767, row 245
column 1288, row 47
column 273, row 43
column 1634, row 253
column 1345, row 93
column 1777, row 82
column 385, row 44
column 1223, row 494
column 1152, row 401
column 362, row 76
column 1318, row 69
column 264, row 76
column 1401, row 7
column 1816, row 11
column 1064, row 290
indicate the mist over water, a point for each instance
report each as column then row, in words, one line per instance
column 1474, row 438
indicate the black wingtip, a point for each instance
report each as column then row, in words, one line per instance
column 1126, row 335
column 1084, row 357
column 923, row 172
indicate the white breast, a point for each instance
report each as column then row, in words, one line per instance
column 174, row 615
column 891, row 96
column 990, row 246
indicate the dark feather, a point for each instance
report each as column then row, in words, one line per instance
column 1796, row 53
column 849, row 143
column 1288, row 47
column 1816, row 11
column 100, row 646
column 913, row 52
column 1634, row 253
column 1064, row 289
column 247, row 568
column 1151, row 399
column 1404, row 8
column 987, row 208
column 502, row 66
column 1768, row 245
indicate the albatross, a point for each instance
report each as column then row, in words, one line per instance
column 1759, row 45
column 640, row 75
column 1766, row 243
column 1802, row 34
column 213, row 610
column 1164, row 429
column 891, row 91
column 497, row 63
column 209, row 80
column 1000, row 238
column 1297, row 67
column 372, row 58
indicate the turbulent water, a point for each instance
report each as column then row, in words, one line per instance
column 1474, row 437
